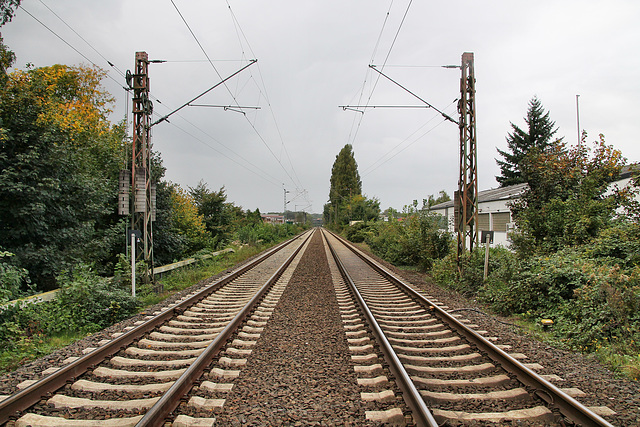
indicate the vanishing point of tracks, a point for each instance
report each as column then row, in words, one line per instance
column 280, row 339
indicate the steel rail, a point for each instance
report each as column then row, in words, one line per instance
column 170, row 400
column 26, row 398
column 555, row 398
column 419, row 411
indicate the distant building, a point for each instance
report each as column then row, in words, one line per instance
column 272, row 219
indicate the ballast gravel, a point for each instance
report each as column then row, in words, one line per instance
column 300, row 371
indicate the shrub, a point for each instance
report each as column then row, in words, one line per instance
column 265, row 233
column 360, row 232
column 533, row 285
column 13, row 280
column 605, row 310
column 88, row 303
column 415, row 241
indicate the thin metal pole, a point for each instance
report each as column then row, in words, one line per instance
column 578, row 117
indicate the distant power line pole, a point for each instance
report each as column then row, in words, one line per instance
column 578, row 119
column 466, row 198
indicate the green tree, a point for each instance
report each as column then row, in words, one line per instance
column 537, row 137
column 168, row 244
column 565, row 204
column 363, row 209
column 433, row 200
column 212, row 206
column 186, row 220
column 7, row 58
column 345, row 184
column 7, row 10
column 59, row 162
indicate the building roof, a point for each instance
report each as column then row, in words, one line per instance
column 629, row 170
column 493, row 194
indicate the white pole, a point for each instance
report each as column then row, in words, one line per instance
column 578, row 119
column 486, row 256
column 133, row 265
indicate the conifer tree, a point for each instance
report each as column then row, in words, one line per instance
column 345, row 182
column 520, row 143
column 345, row 179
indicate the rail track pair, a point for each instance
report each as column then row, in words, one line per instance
column 446, row 372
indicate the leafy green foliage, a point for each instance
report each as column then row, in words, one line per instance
column 7, row 58
column 416, row 240
column 212, row 206
column 565, row 204
column 89, row 303
column 85, row 304
column 59, row 158
column 12, row 279
column 360, row 232
column 7, row 10
column 346, row 202
column 261, row 233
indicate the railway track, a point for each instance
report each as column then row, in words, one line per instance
column 448, row 372
column 142, row 375
column 311, row 332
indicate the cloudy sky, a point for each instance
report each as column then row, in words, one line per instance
column 314, row 56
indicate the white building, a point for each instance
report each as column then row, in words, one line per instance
column 493, row 206
column 493, row 212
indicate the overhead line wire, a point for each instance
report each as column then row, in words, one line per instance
column 226, row 147
column 364, row 83
column 373, row 166
column 404, row 148
column 240, row 31
column 266, row 176
column 395, row 38
column 271, row 181
column 229, row 90
column 120, row 72
column 68, row 44
column 83, row 39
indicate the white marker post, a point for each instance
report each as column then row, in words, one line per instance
column 133, row 264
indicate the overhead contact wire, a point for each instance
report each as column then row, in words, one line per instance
column 229, row 90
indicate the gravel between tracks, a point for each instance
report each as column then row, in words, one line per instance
column 299, row 372
column 603, row 388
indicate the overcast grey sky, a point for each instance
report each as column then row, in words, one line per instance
column 313, row 56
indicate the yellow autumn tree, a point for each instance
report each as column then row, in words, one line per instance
column 185, row 218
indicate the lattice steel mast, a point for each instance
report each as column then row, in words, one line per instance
column 466, row 198
column 143, row 193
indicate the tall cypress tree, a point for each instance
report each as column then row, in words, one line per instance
column 345, row 181
column 520, row 143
